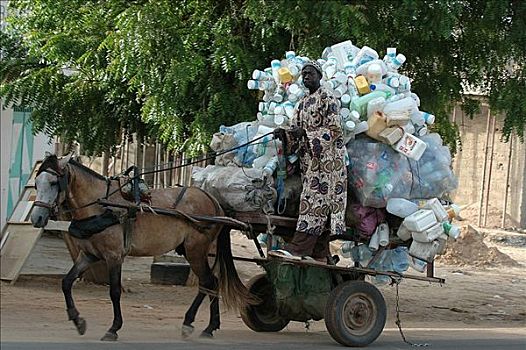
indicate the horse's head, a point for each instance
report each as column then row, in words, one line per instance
column 51, row 182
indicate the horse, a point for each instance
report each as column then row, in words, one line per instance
column 67, row 187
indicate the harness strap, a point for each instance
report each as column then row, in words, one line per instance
column 180, row 196
column 43, row 204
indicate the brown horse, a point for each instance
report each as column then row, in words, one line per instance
column 72, row 188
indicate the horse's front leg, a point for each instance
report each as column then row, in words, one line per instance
column 82, row 263
column 115, row 295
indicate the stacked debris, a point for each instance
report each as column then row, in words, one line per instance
column 397, row 168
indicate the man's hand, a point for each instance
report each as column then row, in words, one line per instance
column 279, row 134
column 298, row 133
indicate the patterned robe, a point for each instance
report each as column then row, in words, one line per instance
column 321, row 152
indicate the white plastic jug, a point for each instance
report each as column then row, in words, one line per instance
column 401, row 207
column 424, row 251
column 420, row 220
column 430, row 234
column 411, row 146
column 403, row 233
column 437, row 208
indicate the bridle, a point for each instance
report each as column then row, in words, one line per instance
column 62, row 183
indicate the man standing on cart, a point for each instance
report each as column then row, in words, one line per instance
column 316, row 135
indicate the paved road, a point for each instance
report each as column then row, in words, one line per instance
column 444, row 339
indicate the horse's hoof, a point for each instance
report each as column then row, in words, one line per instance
column 186, row 331
column 109, row 336
column 81, row 325
column 206, row 335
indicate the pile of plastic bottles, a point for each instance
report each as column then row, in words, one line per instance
column 391, row 153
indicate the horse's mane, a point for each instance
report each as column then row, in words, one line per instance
column 51, row 162
column 86, row 169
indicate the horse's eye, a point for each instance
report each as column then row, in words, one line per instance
column 53, row 183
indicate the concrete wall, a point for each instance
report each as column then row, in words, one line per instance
column 468, row 165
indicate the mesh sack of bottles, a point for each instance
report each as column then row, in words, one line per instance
column 396, row 166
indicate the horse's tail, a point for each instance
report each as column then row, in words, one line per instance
column 235, row 294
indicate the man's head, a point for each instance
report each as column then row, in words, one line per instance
column 311, row 74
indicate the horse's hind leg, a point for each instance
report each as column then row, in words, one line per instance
column 82, row 263
column 215, row 320
column 115, row 295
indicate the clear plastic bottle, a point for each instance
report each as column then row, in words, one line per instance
column 400, row 259
column 346, row 249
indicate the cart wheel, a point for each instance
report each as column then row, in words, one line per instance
column 355, row 313
column 263, row 317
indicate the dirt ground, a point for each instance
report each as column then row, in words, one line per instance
column 487, row 290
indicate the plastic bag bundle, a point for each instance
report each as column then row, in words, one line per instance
column 376, row 172
column 237, row 189
column 432, row 175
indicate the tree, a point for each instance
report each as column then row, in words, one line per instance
column 178, row 70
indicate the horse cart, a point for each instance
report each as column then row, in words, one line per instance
column 289, row 290
column 354, row 310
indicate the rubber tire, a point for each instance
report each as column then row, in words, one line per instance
column 365, row 294
column 262, row 317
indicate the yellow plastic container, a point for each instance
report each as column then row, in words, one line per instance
column 377, row 123
column 362, row 85
column 285, row 76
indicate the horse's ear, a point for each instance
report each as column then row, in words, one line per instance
column 64, row 160
column 48, row 154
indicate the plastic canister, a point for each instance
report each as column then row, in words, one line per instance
column 355, row 116
column 430, row 234
column 349, row 125
column 285, row 76
column 359, row 104
column 397, row 118
column 374, row 73
column 417, row 264
column 437, row 208
column 395, row 62
column 400, row 259
column 429, row 118
column 374, row 241
column 401, row 207
column 404, row 105
column 403, row 233
column 453, row 211
column 411, row 146
column 280, row 119
column 409, row 128
column 361, row 127
column 261, row 75
column 362, row 85
column 377, row 123
column 345, row 112
column 451, row 230
column 375, row 105
column 391, row 135
column 383, row 234
column 442, row 240
column 365, row 55
column 275, row 65
column 422, row 130
column 424, row 251
column 342, row 52
column 346, row 100
column 340, row 90
column 420, row 220
column 345, row 249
